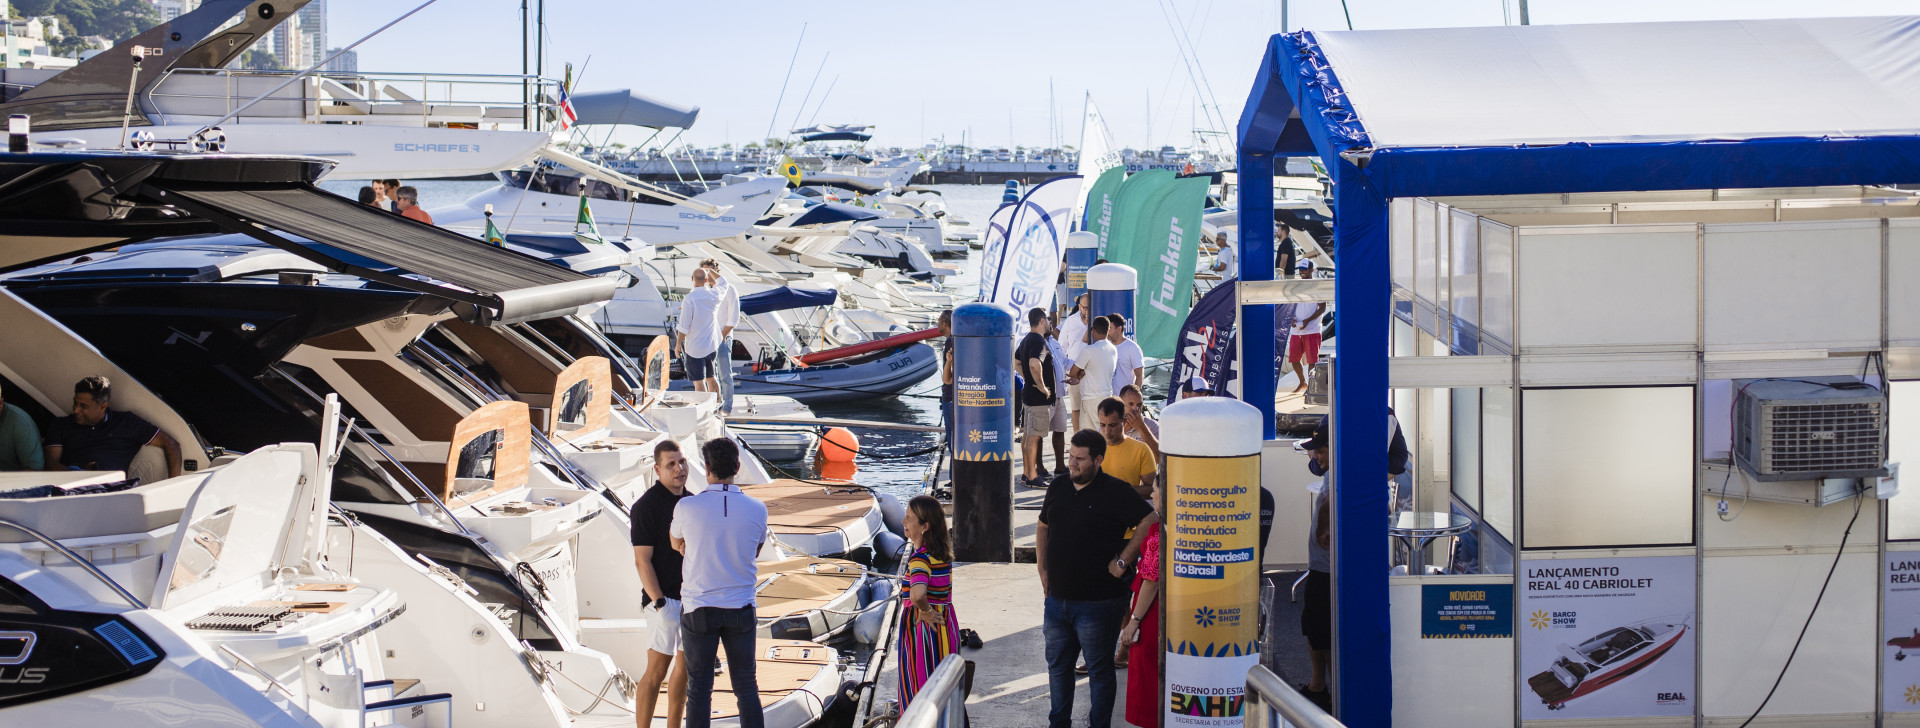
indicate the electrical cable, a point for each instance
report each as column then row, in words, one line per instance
column 1858, row 498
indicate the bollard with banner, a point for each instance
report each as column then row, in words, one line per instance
column 1211, row 529
column 1112, row 286
column 1083, row 248
column 983, row 433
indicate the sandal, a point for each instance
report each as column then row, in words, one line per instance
column 971, row 639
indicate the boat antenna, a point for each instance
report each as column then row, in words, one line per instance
column 775, row 117
column 823, row 99
column 140, row 53
column 1349, row 13
column 310, row 69
column 809, row 96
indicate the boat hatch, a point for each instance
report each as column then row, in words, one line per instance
column 489, row 284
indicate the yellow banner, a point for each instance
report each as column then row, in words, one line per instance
column 1212, row 577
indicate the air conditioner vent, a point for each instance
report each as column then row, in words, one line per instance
column 1809, row 427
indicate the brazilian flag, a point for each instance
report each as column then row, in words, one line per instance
column 493, row 235
column 790, row 170
column 586, row 218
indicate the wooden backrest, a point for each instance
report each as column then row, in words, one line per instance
column 512, row 457
column 594, row 374
column 657, row 366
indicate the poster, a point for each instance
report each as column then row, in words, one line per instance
column 1900, row 651
column 1607, row 637
column 1466, row 611
column 1213, row 592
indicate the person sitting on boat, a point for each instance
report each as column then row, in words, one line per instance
column 720, row 531
column 1073, row 337
column 1139, row 425
column 1129, row 362
column 1035, row 360
column 1093, row 368
column 699, row 332
column 1226, row 262
column 929, row 628
column 99, row 438
column 1083, row 552
column 407, row 202
column 659, row 565
column 19, row 438
column 1128, row 459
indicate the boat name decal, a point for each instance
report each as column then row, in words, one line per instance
column 412, row 147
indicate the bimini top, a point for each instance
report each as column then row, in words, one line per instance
column 626, row 106
column 1569, row 98
column 841, row 133
column 62, row 204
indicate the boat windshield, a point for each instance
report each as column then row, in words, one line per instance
column 1613, row 644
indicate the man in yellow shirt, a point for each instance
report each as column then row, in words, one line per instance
column 1128, row 459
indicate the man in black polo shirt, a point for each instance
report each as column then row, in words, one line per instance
column 659, row 566
column 1085, row 520
column 99, row 438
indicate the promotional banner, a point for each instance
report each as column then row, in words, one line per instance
column 1900, row 676
column 1213, row 591
column 982, row 398
column 1466, row 611
column 1097, row 218
column 1206, row 342
column 1097, row 155
column 993, row 246
column 1029, row 265
column 1130, row 213
column 1607, row 638
column 1166, row 250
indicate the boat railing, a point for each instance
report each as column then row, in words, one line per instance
column 940, row 703
column 1272, row 703
column 77, row 559
column 495, row 101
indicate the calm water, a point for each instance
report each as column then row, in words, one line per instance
column 920, row 405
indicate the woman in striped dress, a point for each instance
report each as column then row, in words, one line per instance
column 929, row 630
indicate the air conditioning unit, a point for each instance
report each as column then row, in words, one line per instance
column 1809, row 428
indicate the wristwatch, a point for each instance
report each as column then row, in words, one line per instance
column 1123, row 563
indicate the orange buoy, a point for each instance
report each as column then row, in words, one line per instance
column 839, row 445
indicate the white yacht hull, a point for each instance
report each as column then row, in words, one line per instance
column 363, row 151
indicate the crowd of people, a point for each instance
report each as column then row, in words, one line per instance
column 703, row 334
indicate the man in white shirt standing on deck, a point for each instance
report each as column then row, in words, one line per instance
column 729, row 318
column 699, row 331
column 1129, row 363
column 1094, row 369
column 720, row 531
column 1073, row 336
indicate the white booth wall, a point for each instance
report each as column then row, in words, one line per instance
column 1615, row 332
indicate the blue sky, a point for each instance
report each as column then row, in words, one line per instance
column 920, row 70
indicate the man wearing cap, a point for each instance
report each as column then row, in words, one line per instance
column 1197, row 386
column 1225, row 262
column 1303, row 342
column 1316, row 610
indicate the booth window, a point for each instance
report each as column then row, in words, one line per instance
column 1604, row 467
column 1496, row 459
column 1903, row 446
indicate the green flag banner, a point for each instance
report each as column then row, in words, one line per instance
column 1165, row 250
column 1099, row 203
column 585, row 218
column 493, row 234
column 1130, row 204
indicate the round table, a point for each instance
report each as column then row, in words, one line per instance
column 1418, row 529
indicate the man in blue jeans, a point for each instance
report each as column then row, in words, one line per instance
column 1084, row 554
column 719, row 530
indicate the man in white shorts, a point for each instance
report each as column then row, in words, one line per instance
column 659, row 565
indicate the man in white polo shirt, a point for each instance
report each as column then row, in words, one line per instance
column 720, row 531
column 1093, row 369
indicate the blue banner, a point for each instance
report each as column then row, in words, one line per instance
column 1456, row 611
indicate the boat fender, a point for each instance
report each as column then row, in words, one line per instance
column 867, row 624
column 891, row 547
column 876, row 591
column 893, row 513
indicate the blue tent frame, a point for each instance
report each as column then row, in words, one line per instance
column 1297, row 107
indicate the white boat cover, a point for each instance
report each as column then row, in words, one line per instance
column 1631, row 82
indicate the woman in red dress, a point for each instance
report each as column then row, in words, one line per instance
column 1141, row 636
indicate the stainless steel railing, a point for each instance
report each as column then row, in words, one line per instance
column 1271, row 703
column 940, row 702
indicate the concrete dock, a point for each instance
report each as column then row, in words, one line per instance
column 1004, row 604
